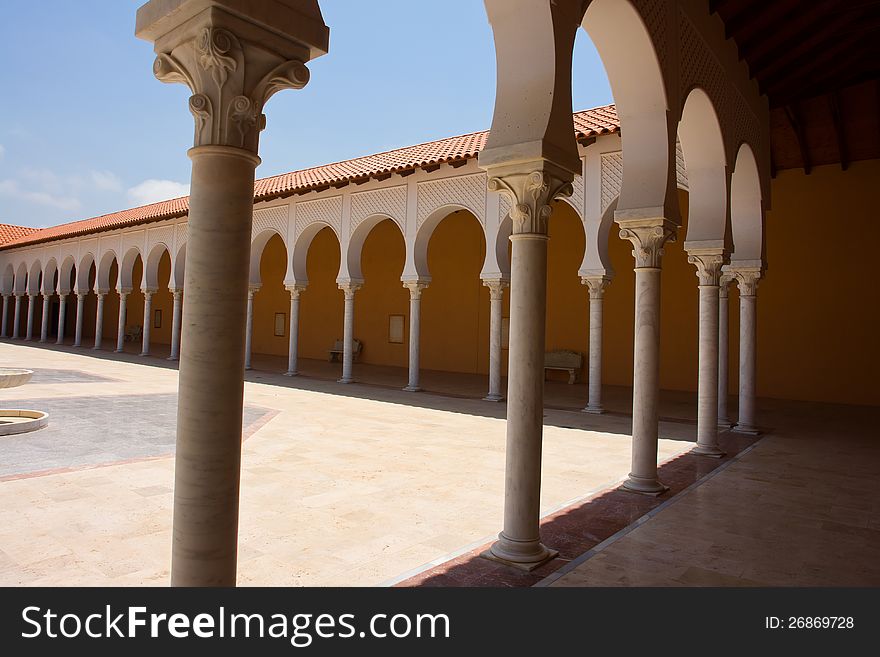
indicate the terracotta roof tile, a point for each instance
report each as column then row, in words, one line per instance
column 588, row 123
column 8, row 232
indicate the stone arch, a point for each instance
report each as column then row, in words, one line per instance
column 68, row 270
column 702, row 143
column 21, row 278
column 301, row 249
column 417, row 253
column 258, row 245
column 597, row 259
column 151, row 266
column 35, row 278
column 126, row 267
column 746, row 208
column 102, row 280
column 7, row 284
column 636, row 77
column 178, row 268
column 350, row 266
column 50, row 271
column 82, row 273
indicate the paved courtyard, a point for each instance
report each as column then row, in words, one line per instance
column 341, row 485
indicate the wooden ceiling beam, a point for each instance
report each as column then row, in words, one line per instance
column 794, row 120
column 749, row 10
column 784, row 27
column 839, row 128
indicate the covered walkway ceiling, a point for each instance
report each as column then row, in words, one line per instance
column 819, row 64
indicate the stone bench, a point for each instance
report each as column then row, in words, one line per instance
column 567, row 361
column 338, row 350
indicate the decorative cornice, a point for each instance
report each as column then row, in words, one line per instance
column 648, row 237
column 596, row 285
column 530, row 195
column 229, row 88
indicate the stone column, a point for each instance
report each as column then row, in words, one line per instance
column 723, row 347
column 175, row 323
column 519, row 543
column 62, row 316
column 233, row 61
column 16, row 320
column 496, row 316
column 596, row 286
column 120, row 327
column 99, row 319
column 415, row 322
column 80, row 309
column 3, row 332
column 747, row 281
column 30, row 317
column 44, row 320
column 293, row 339
column 348, row 288
column 648, row 237
column 148, row 320
column 708, row 263
column 249, row 327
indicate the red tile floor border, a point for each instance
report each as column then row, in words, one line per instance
column 580, row 527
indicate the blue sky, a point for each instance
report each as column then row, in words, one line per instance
column 86, row 129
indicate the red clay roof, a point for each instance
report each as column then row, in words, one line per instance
column 588, row 123
column 8, row 232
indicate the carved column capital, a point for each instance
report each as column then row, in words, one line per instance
column 295, row 290
column 724, row 283
column 648, row 236
column 252, row 290
column 747, row 280
column 708, row 264
column 596, row 285
column 415, row 288
column 350, row 287
column 496, row 287
column 176, row 292
column 232, row 64
column 149, row 291
column 530, row 194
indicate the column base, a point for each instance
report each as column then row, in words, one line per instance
column 291, row 373
column 96, row 348
column 345, row 379
column 724, row 423
column 523, row 555
column 171, row 358
column 747, row 429
column 247, row 368
column 412, row 389
column 145, row 353
column 644, row 486
column 595, row 410
column 706, row 450
column 43, row 341
column 493, row 397
column 118, row 351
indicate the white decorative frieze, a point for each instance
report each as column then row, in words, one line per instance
column 161, row 235
column 465, row 191
column 324, row 210
column 181, row 235
column 274, row 218
column 612, row 177
column 576, row 200
column 132, row 241
column 390, row 201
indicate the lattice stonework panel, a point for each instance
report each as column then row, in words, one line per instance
column 680, row 168
column 162, row 235
column 271, row 219
column 181, row 235
column 655, row 15
column 468, row 191
column 612, row 177
column 88, row 246
column 505, row 205
column 326, row 210
column 132, row 240
column 390, row 201
column 577, row 197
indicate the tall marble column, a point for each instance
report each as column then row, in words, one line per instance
column 232, row 62
column 348, row 288
column 80, row 309
column 16, row 320
column 708, row 263
column 3, row 332
column 148, row 320
column 177, row 293
column 30, row 317
column 747, row 282
column 249, row 327
column 293, row 339
column 496, row 317
column 99, row 319
column 723, row 348
column 531, row 192
column 62, row 316
column 120, row 327
column 44, row 319
column 596, row 286
column 415, row 323
column 648, row 237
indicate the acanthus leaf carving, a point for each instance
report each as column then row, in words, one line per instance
column 648, row 236
column 531, row 194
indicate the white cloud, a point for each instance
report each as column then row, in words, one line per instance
column 105, row 181
column 152, row 191
column 12, row 189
